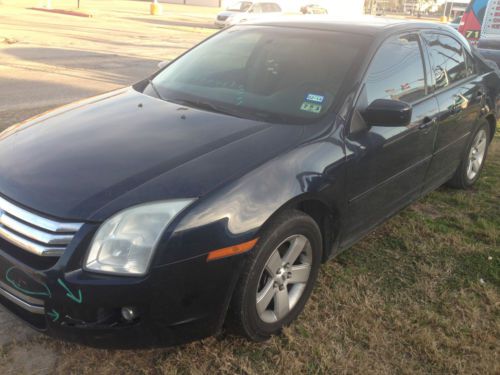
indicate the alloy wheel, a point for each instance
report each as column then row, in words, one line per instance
column 284, row 278
column 476, row 155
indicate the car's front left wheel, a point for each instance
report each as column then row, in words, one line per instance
column 279, row 276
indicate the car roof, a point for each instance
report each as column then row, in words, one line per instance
column 369, row 25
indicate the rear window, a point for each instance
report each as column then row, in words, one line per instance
column 447, row 59
column 270, row 73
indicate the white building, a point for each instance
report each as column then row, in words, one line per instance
column 453, row 9
column 415, row 6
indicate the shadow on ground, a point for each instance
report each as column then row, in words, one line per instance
column 107, row 67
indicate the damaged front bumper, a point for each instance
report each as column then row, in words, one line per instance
column 173, row 304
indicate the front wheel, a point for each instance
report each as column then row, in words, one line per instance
column 278, row 278
column 473, row 161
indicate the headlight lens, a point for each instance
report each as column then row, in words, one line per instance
column 125, row 243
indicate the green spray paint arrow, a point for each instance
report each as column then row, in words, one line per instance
column 70, row 294
column 15, row 285
column 54, row 315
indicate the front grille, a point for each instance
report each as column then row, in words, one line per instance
column 222, row 18
column 34, row 233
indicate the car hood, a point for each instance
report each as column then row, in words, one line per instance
column 91, row 159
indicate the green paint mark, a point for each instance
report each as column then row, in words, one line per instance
column 18, row 287
column 70, row 294
column 54, row 315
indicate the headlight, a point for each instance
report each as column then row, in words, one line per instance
column 125, row 243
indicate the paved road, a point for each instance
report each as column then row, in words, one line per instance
column 35, row 79
column 47, row 60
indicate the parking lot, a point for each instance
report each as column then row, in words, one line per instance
column 419, row 295
column 50, row 59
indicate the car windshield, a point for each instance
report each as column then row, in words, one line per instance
column 240, row 6
column 272, row 74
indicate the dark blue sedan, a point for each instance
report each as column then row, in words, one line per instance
column 208, row 195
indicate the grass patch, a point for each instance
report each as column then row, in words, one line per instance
column 419, row 295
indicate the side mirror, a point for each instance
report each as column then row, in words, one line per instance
column 163, row 64
column 387, row 112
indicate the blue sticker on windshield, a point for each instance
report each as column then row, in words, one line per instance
column 315, row 98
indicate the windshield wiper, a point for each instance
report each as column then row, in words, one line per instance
column 257, row 116
column 208, row 106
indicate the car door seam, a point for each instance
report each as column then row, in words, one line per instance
column 388, row 180
column 452, row 143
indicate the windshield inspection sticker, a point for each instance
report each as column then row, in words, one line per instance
column 315, row 98
column 310, row 107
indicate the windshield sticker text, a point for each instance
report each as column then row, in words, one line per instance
column 310, row 107
column 315, row 98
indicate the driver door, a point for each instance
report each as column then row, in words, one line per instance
column 386, row 165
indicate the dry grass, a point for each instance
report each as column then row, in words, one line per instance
column 420, row 295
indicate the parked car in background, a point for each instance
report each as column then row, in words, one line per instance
column 211, row 192
column 313, row 9
column 241, row 12
column 490, row 49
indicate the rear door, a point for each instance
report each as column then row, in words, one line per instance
column 386, row 166
column 460, row 95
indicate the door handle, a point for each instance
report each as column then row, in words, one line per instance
column 427, row 123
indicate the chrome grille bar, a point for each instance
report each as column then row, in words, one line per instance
column 34, row 233
column 38, row 221
column 35, row 309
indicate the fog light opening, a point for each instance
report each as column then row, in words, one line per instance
column 129, row 313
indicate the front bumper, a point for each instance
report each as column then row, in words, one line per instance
column 176, row 303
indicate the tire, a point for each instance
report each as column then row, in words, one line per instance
column 472, row 162
column 292, row 230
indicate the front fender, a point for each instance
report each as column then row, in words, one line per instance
column 236, row 212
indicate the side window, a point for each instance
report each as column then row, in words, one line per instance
column 447, row 59
column 245, row 6
column 397, row 71
column 266, row 7
column 257, row 8
column 273, row 7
